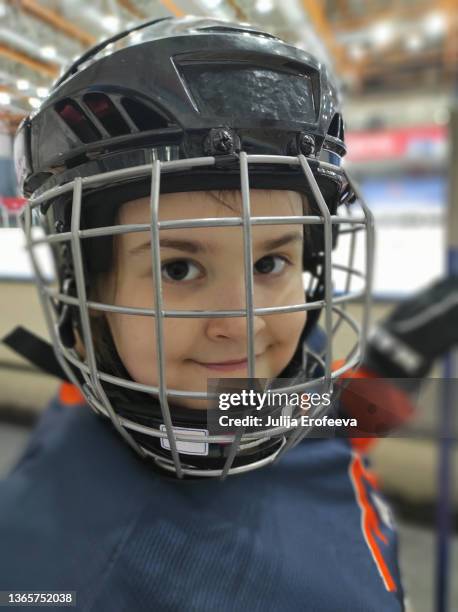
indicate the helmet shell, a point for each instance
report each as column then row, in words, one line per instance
column 177, row 83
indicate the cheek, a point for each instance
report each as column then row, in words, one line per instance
column 287, row 328
column 284, row 333
column 135, row 341
column 290, row 325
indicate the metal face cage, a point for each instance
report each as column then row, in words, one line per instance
column 354, row 220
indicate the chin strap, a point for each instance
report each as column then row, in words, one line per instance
column 36, row 350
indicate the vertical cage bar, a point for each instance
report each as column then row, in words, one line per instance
column 327, row 259
column 370, row 248
column 84, row 313
column 249, row 295
column 248, row 262
column 348, row 281
column 159, row 318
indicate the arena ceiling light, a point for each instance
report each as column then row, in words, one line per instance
column 212, row 4
column 22, row 84
column 5, row 98
column 414, row 42
column 111, row 23
column 435, row 24
column 42, row 92
column 49, row 52
column 356, row 52
column 264, row 6
column 382, row 33
column 34, row 102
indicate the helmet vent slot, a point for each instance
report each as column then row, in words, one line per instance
column 144, row 117
column 73, row 116
column 107, row 113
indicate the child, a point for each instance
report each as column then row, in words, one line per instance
column 180, row 260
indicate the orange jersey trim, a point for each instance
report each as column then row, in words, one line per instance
column 370, row 524
column 69, row 395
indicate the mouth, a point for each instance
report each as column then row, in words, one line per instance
column 226, row 366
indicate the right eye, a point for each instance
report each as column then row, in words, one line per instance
column 180, row 270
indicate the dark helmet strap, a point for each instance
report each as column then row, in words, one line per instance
column 36, row 350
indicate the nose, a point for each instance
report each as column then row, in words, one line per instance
column 232, row 328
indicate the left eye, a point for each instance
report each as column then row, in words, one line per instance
column 180, row 270
column 270, row 264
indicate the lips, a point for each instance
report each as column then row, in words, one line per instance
column 231, row 362
column 226, row 366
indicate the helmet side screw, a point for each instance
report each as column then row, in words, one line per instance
column 219, row 141
column 306, row 144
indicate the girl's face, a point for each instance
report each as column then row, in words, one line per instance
column 203, row 269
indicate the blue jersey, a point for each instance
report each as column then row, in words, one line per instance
column 81, row 512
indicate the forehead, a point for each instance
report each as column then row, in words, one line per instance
column 193, row 205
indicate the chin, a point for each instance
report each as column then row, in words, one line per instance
column 190, row 404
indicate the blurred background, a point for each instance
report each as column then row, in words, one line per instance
column 396, row 64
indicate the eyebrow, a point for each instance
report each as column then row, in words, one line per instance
column 194, row 247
